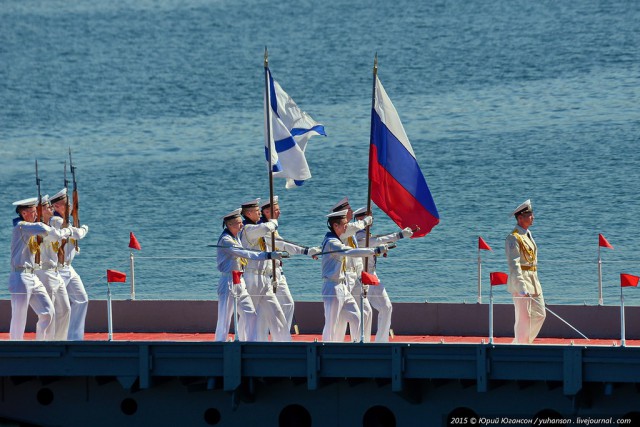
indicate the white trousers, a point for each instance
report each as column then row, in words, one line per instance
column 379, row 300
column 529, row 317
column 79, row 301
column 248, row 318
column 57, row 291
column 365, row 307
column 285, row 299
column 270, row 315
column 34, row 295
column 339, row 305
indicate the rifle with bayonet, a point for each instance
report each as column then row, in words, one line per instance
column 39, row 215
column 65, row 218
column 75, row 209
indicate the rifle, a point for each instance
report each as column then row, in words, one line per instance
column 75, row 210
column 65, row 218
column 39, row 214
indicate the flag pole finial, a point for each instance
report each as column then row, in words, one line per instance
column 266, row 57
column 375, row 62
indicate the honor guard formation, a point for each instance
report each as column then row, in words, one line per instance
column 252, row 286
column 43, row 246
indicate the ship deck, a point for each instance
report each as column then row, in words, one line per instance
column 397, row 339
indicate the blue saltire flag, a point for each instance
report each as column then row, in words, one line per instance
column 291, row 129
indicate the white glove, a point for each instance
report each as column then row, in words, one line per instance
column 368, row 220
column 406, row 232
column 274, row 221
column 86, row 228
column 382, row 249
column 274, row 255
column 314, row 251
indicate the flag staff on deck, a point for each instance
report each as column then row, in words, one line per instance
column 363, row 293
column 602, row 242
column 269, row 136
column 112, row 276
column 495, row 278
column 482, row 245
column 625, row 281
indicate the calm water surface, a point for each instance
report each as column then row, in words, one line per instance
column 161, row 102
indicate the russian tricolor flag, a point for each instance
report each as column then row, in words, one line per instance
column 397, row 184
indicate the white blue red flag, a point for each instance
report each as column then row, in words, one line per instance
column 397, row 184
column 291, row 129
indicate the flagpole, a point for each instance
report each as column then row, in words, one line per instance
column 479, row 276
column 622, row 331
column 267, row 106
column 133, row 276
column 368, row 227
column 600, row 300
column 109, row 314
column 235, row 311
column 490, row 314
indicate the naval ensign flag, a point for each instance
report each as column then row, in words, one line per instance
column 290, row 128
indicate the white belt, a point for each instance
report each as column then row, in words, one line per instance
column 23, row 270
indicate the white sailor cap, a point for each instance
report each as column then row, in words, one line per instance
column 342, row 204
column 231, row 215
column 251, row 203
column 523, row 207
column 360, row 211
column 26, row 203
column 339, row 214
column 58, row 196
column 45, row 199
column 267, row 203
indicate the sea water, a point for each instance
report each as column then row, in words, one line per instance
column 161, row 103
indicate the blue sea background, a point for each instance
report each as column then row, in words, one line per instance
column 162, row 104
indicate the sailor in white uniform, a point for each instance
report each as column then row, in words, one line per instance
column 353, row 270
column 78, row 297
column 50, row 253
column 258, row 274
column 523, row 283
column 232, row 257
column 339, row 304
column 25, row 287
column 283, row 294
column 377, row 295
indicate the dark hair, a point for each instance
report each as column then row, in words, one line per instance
column 334, row 220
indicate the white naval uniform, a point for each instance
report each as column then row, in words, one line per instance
column 530, row 311
column 25, row 287
column 258, row 279
column 283, row 294
column 229, row 260
column 339, row 304
column 353, row 273
column 78, row 297
column 377, row 295
column 53, row 282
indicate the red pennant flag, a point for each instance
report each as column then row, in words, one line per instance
column 603, row 242
column 498, row 278
column 370, row 279
column 482, row 245
column 237, row 275
column 133, row 242
column 116, row 276
column 628, row 280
